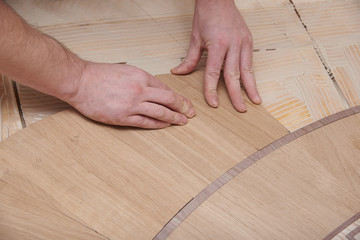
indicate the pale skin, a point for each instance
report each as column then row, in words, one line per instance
column 219, row 28
column 124, row 95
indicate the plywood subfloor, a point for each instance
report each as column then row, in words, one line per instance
column 10, row 121
column 303, row 190
column 294, row 87
column 154, row 35
column 125, row 183
column 335, row 28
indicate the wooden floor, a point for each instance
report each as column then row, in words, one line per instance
column 288, row 169
column 306, row 66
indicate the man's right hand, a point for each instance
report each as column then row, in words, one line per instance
column 125, row 95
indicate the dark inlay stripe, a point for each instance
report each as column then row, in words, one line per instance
column 244, row 164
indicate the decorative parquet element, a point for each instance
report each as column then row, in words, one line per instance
column 335, row 29
column 302, row 186
column 124, row 183
column 349, row 230
column 10, row 121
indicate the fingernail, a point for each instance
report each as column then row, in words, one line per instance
column 242, row 108
column 191, row 113
column 175, row 69
column 214, row 103
column 183, row 120
column 258, row 99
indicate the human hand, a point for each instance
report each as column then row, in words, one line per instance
column 125, row 95
column 219, row 28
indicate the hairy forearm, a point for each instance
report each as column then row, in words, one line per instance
column 35, row 59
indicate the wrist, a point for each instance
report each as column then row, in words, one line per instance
column 70, row 85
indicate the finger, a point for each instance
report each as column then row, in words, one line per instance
column 171, row 100
column 247, row 73
column 191, row 60
column 156, row 83
column 146, row 122
column 161, row 113
column 214, row 62
column 232, row 77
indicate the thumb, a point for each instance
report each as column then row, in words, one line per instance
column 190, row 61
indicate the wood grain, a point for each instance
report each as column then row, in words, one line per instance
column 10, row 121
column 297, row 93
column 26, row 217
column 36, row 105
column 127, row 183
column 334, row 27
column 349, row 227
column 303, row 190
column 295, row 88
column 48, row 12
column 272, row 27
column 242, row 166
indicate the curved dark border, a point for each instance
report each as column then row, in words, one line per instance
column 342, row 227
column 194, row 203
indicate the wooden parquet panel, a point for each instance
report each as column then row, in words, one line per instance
column 302, row 190
column 126, row 183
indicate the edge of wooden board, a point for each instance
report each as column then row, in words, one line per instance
column 342, row 227
column 193, row 204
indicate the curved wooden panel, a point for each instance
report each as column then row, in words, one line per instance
column 128, row 183
column 303, row 190
column 25, row 217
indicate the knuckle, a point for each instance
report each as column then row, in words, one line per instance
column 170, row 99
column 159, row 112
column 121, row 121
column 190, row 61
column 218, row 42
column 137, row 89
column 195, row 38
column 247, row 68
column 213, row 73
column 247, row 38
column 140, row 122
column 141, row 77
column 174, row 118
column 221, row 42
column 237, row 41
column 184, row 105
column 233, row 74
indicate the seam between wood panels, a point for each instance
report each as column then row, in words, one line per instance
column 342, row 227
column 86, row 226
column 191, row 206
column 16, row 92
column 321, row 58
